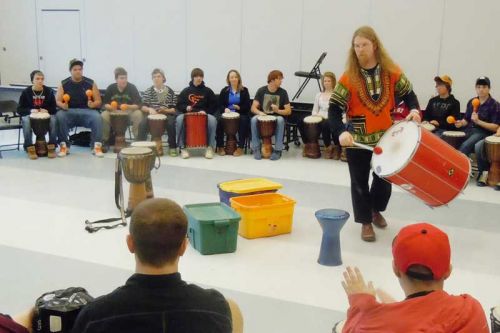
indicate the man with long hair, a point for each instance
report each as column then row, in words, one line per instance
column 366, row 92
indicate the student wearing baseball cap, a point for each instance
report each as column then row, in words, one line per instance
column 442, row 106
column 421, row 262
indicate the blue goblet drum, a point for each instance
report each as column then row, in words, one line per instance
column 331, row 221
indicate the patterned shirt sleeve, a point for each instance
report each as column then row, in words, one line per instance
column 403, row 86
column 341, row 95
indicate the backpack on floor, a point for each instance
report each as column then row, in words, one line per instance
column 56, row 311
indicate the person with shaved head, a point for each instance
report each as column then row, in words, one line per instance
column 155, row 298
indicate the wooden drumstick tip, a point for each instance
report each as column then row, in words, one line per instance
column 377, row 150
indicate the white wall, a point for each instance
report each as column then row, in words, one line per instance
column 426, row 37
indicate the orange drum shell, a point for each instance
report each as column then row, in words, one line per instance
column 436, row 173
column 195, row 128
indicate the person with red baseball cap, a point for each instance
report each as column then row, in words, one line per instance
column 422, row 262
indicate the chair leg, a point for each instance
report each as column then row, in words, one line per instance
column 18, row 138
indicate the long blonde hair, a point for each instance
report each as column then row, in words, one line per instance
column 383, row 59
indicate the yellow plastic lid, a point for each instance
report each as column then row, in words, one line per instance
column 249, row 185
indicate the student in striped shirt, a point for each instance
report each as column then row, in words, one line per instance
column 160, row 99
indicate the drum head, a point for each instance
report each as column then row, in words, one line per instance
column 496, row 313
column 429, row 126
column 157, row 117
column 39, row 115
column 118, row 114
column 144, row 144
column 313, row 119
column 457, row 134
column 266, row 118
column 136, row 151
column 230, row 115
column 398, row 146
column 493, row 139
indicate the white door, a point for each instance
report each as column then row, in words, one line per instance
column 59, row 42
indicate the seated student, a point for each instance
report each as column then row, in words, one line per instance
column 442, row 106
column 421, row 262
column 38, row 99
column 270, row 99
column 123, row 93
column 234, row 98
column 79, row 110
column 155, row 297
column 484, row 122
column 197, row 98
column 320, row 108
column 483, row 164
column 160, row 99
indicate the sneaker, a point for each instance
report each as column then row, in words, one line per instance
column 172, row 152
column 257, row 154
column 63, row 150
column 221, row 151
column 184, row 153
column 98, row 150
column 483, row 178
column 209, row 153
column 31, row 152
column 276, row 155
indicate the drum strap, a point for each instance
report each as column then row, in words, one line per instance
column 101, row 224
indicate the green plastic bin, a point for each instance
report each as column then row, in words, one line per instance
column 212, row 227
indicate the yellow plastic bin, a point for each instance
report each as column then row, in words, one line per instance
column 247, row 186
column 264, row 215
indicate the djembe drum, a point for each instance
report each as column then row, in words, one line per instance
column 312, row 131
column 492, row 144
column 157, row 123
column 148, row 183
column 267, row 127
column 136, row 163
column 230, row 123
column 40, row 124
column 119, row 124
column 428, row 126
column 331, row 221
column 495, row 319
column 195, row 127
column 453, row 138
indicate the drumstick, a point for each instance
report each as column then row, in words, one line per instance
column 376, row 150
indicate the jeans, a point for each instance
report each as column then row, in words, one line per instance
column 472, row 137
column 211, row 129
column 278, row 135
column 134, row 116
column 144, row 129
column 28, row 137
column 88, row 118
column 366, row 198
column 482, row 160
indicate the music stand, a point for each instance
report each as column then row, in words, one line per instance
column 315, row 73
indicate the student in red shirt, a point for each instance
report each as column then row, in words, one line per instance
column 421, row 262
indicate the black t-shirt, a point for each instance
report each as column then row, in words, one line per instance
column 130, row 95
column 441, row 108
column 266, row 98
column 156, row 304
